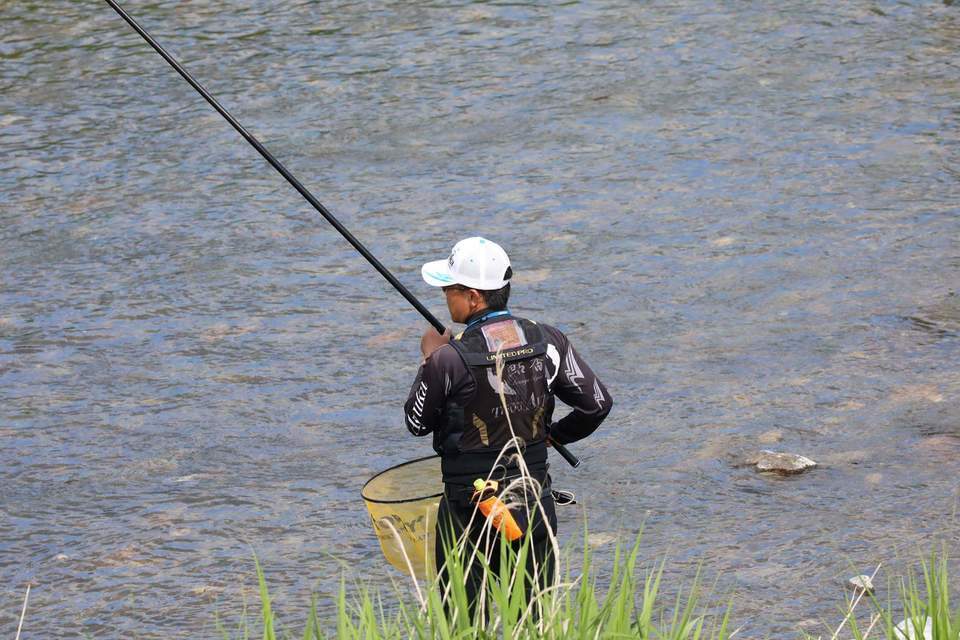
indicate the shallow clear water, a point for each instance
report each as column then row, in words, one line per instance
column 745, row 217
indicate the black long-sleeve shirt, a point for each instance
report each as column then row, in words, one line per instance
column 443, row 376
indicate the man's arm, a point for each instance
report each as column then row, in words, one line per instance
column 576, row 385
column 424, row 406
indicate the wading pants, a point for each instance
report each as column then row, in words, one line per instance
column 455, row 513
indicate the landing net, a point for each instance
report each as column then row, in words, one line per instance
column 403, row 502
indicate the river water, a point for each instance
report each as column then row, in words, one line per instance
column 745, row 215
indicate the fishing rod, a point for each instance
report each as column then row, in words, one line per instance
column 276, row 164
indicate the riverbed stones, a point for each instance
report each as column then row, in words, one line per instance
column 780, row 463
column 861, row 583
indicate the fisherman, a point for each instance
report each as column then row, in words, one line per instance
column 459, row 398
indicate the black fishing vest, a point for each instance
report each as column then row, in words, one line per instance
column 476, row 433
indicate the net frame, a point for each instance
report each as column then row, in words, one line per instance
column 363, row 489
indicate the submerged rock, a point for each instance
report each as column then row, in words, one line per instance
column 770, row 437
column 207, row 590
column 837, row 458
column 599, row 539
column 940, row 318
column 390, row 337
column 782, row 463
column 861, row 583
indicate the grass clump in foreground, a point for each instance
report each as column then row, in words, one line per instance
column 514, row 606
column 923, row 612
column 580, row 608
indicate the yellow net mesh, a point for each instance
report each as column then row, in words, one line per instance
column 403, row 502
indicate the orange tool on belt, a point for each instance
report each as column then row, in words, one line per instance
column 493, row 508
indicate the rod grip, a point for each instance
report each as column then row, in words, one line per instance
column 573, row 460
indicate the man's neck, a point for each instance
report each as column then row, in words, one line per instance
column 476, row 314
column 480, row 313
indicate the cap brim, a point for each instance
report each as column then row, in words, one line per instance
column 437, row 273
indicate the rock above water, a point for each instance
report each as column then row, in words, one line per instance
column 907, row 630
column 861, row 583
column 782, row 463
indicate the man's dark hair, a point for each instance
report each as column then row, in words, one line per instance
column 496, row 299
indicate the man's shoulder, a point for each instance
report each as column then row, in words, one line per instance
column 444, row 357
column 550, row 332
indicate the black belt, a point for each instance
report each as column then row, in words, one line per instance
column 464, row 468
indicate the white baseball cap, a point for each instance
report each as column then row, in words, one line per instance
column 476, row 262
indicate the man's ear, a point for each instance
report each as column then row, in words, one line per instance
column 476, row 298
